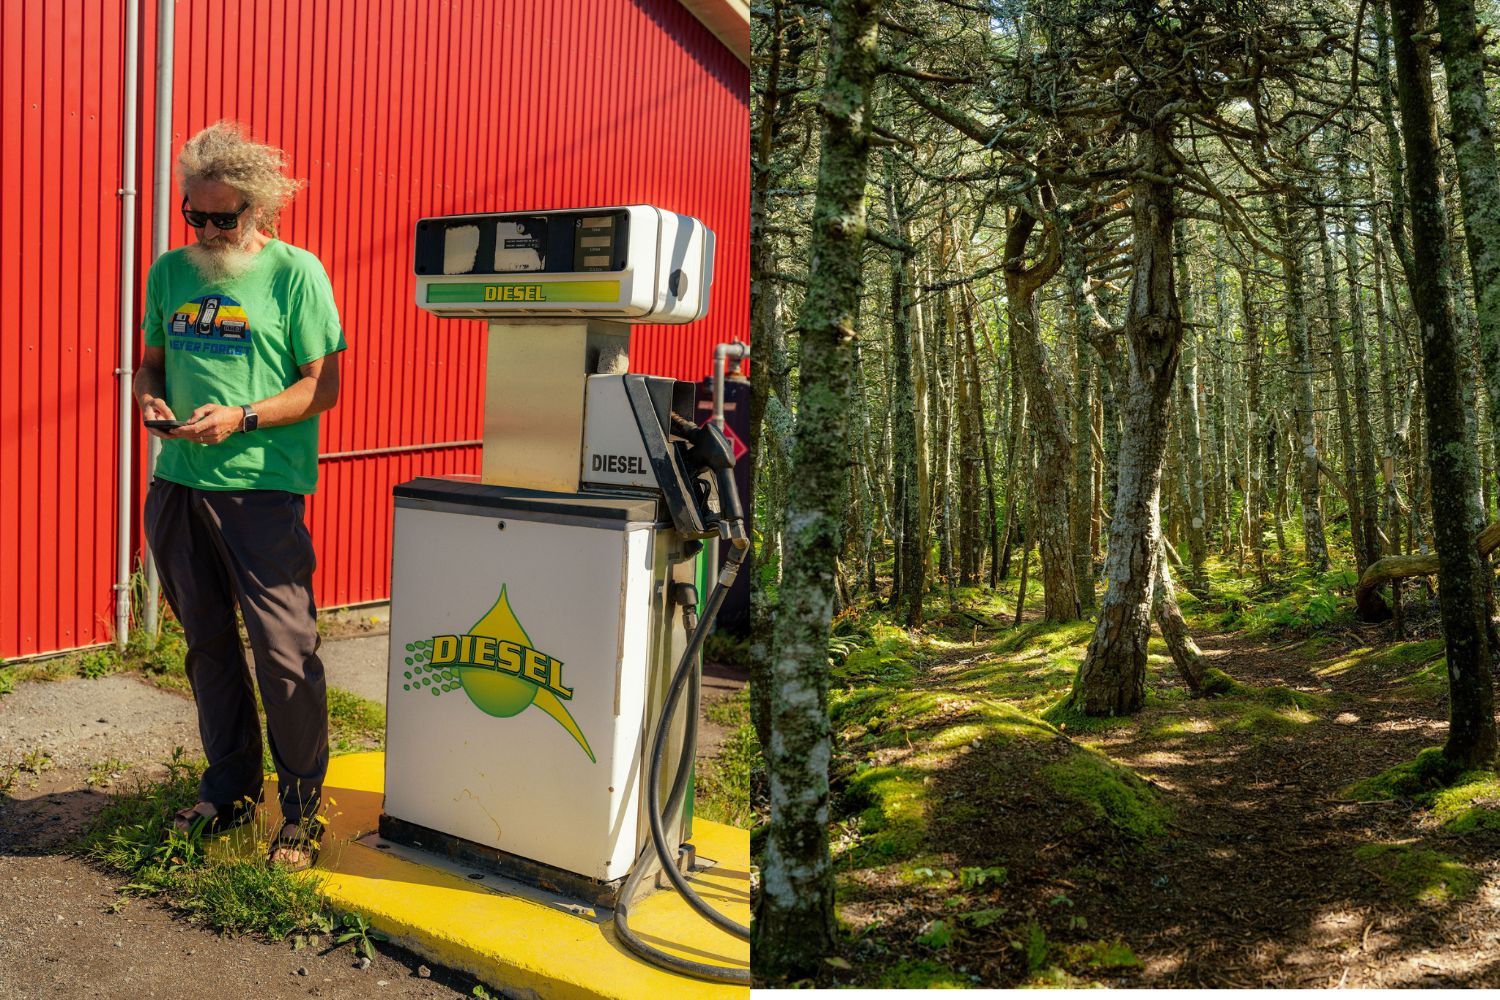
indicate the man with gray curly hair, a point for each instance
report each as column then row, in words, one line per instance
column 243, row 336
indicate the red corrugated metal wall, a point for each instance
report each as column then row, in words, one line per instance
column 391, row 111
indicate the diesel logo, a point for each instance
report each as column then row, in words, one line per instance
column 629, row 464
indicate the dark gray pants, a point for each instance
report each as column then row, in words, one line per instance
column 214, row 549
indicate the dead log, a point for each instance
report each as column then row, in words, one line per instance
column 1370, row 606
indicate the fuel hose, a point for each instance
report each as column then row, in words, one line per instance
column 659, row 852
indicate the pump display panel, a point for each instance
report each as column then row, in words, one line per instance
column 632, row 263
column 571, row 242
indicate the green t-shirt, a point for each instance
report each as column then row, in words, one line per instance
column 236, row 341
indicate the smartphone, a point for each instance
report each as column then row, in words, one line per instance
column 165, row 425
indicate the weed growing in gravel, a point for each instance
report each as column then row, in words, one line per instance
column 7, row 683
column 134, row 837
column 358, row 930
column 8, row 774
column 103, row 773
column 36, row 761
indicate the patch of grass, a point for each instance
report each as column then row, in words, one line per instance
column 1429, row 772
column 354, row 723
column 722, row 792
column 133, row 836
column 923, row 975
column 7, row 683
column 1424, row 877
column 1110, row 793
column 238, row 895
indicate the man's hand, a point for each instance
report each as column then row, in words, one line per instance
column 211, row 423
column 156, row 408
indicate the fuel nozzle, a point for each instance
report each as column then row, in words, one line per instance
column 709, row 449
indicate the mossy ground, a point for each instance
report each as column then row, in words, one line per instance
column 984, row 834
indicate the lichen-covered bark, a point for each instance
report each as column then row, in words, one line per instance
column 1080, row 313
column 1333, row 337
column 1364, row 437
column 911, row 574
column 1450, row 452
column 1186, row 656
column 1112, row 678
column 1314, row 547
column 1049, row 424
column 1259, row 427
column 1478, row 177
column 794, row 923
column 1191, row 425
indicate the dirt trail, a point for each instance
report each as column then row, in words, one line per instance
column 1263, row 887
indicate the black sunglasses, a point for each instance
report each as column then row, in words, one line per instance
column 221, row 220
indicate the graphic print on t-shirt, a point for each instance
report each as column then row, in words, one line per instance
column 211, row 324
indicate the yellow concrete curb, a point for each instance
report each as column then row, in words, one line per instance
column 522, row 945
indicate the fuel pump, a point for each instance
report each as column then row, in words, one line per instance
column 545, row 627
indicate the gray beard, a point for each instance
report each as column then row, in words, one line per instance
column 219, row 263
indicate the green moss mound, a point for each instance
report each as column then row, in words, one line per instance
column 1429, row 772
column 1110, row 792
column 1424, row 877
column 1216, row 683
column 1472, row 803
column 889, row 659
column 1102, row 955
column 924, row 975
column 892, row 810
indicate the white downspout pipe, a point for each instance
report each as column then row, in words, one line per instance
column 161, row 221
column 736, row 350
column 125, row 372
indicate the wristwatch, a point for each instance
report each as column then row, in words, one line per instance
column 251, row 421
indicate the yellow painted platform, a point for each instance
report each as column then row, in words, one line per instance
column 517, row 944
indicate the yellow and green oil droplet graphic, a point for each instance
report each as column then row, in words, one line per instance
column 494, row 692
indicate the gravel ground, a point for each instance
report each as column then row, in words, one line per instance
column 60, row 932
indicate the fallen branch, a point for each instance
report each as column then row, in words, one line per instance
column 1369, row 606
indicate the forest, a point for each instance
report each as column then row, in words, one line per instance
column 1126, row 442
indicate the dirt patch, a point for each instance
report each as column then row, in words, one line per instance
column 64, row 934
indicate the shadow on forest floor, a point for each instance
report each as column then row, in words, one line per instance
column 1201, row 842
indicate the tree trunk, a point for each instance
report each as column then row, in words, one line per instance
column 1191, row 425
column 1450, row 454
column 1048, row 422
column 911, row 577
column 1258, row 452
column 1478, row 178
column 794, row 924
column 1313, row 545
column 1112, row 678
column 1333, row 337
column 1186, row 655
column 1364, row 436
column 1075, row 273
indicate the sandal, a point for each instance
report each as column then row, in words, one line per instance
column 226, row 816
column 301, row 840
